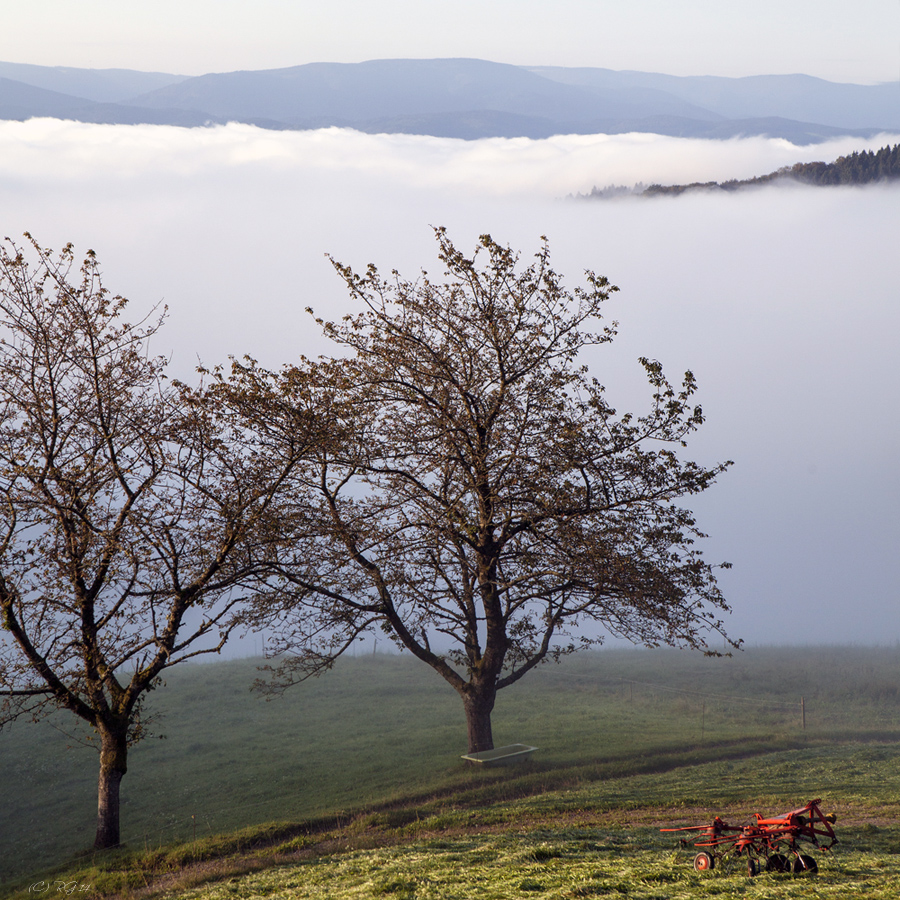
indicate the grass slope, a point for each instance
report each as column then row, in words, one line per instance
column 365, row 760
column 555, row 863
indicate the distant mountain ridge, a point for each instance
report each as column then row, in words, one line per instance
column 757, row 96
column 98, row 85
column 461, row 98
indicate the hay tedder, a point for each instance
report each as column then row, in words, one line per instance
column 771, row 844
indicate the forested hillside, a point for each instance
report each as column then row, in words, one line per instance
column 857, row 168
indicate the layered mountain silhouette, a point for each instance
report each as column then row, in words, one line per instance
column 460, row 98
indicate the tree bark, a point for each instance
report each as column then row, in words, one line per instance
column 479, row 704
column 113, row 765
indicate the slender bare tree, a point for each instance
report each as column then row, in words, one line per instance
column 136, row 513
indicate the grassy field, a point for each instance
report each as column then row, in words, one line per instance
column 555, row 863
column 365, row 760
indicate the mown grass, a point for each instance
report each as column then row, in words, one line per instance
column 370, row 752
column 564, row 863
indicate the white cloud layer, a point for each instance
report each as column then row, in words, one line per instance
column 50, row 150
column 783, row 301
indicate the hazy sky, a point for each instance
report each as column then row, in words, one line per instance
column 782, row 301
column 834, row 39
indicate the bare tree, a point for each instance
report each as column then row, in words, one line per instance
column 135, row 512
column 487, row 507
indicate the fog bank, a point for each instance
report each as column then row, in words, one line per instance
column 783, row 301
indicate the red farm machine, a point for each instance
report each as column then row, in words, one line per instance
column 773, row 844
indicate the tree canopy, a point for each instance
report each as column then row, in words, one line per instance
column 485, row 505
column 453, row 475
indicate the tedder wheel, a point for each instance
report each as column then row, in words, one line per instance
column 803, row 864
column 752, row 867
column 777, row 863
column 703, row 862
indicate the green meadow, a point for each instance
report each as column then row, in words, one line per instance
column 351, row 785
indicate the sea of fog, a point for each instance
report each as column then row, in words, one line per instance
column 783, row 301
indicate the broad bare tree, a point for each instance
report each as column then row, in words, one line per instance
column 487, row 507
column 135, row 512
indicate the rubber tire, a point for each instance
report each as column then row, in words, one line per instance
column 777, row 863
column 752, row 868
column 703, row 862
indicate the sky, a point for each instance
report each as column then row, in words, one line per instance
column 782, row 301
column 832, row 39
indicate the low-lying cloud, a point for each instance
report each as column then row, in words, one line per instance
column 508, row 167
column 782, row 301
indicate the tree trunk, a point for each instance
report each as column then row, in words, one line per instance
column 479, row 705
column 113, row 765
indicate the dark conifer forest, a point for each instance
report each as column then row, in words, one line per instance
column 856, row 168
